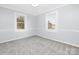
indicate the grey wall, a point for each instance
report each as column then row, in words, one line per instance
column 7, row 26
column 68, row 25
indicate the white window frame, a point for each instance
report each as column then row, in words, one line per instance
column 25, row 22
column 56, row 21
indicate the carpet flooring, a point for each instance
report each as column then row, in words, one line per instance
column 36, row 45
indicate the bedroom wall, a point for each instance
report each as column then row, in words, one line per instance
column 7, row 26
column 68, row 25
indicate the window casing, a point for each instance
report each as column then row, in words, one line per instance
column 51, row 21
column 20, row 22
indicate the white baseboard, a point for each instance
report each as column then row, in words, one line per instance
column 17, row 38
column 42, row 37
column 75, row 45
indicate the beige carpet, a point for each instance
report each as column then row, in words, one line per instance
column 36, row 46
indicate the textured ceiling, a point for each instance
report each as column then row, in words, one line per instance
column 28, row 8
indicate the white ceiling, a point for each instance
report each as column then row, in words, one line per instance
column 28, row 8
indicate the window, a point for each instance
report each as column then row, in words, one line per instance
column 51, row 21
column 20, row 22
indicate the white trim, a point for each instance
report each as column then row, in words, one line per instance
column 75, row 45
column 6, row 30
column 69, row 30
column 17, row 38
column 25, row 22
column 65, row 42
column 56, row 21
